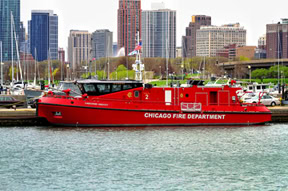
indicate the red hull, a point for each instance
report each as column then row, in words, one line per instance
column 193, row 106
column 79, row 116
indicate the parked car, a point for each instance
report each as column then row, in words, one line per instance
column 267, row 100
column 10, row 102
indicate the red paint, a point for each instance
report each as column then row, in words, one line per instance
column 147, row 107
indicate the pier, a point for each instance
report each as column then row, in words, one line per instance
column 20, row 117
column 27, row 117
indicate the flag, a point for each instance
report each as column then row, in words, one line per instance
column 139, row 47
column 135, row 51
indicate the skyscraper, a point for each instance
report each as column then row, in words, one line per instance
column 6, row 8
column 79, row 47
column 44, row 35
column 159, row 33
column 277, row 40
column 211, row 39
column 102, row 41
column 129, row 22
column 189, row 41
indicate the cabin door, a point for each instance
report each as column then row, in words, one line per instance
column 168, row 97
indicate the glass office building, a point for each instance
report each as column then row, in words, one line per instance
column 43, row 35
column 159, row 33
column 6, row 7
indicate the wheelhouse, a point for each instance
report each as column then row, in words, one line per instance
column 98, row 88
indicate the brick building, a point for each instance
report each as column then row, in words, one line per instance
column 277, row 40
column 189, row 41
column 129, row 22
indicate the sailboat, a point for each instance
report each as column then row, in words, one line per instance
column 16, row 87
column 34, row 90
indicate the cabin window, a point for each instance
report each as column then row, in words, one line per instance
column 89, row 88
column 213, row 98
column 127, row 86
column 187, row 95
column 136, row 94
column 103, row 88
column 258, row 87
column 116, row 87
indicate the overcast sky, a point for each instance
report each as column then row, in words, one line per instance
column 91, row 15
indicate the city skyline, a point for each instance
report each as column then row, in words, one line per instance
column 91, row 15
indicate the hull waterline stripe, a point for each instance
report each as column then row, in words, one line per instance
column 158, row 125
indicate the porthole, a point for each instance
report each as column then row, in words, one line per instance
column 136, row 94
column 187, row 95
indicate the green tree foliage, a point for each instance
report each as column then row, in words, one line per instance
column 10, row 73
column 272, row 72
column 121, row 73
column 243, row 58
column 260, row 73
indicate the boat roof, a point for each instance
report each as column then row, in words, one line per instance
column 90, row 81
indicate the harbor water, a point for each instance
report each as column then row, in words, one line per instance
column 183, row 158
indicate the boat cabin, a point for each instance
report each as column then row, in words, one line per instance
column 98, row 88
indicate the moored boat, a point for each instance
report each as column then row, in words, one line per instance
column 130, row 103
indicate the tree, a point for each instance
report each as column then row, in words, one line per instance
column 260, row 73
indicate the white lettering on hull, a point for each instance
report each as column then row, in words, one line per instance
column 184, row 116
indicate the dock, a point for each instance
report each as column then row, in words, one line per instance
column 279, row 114
column 27, row 117
column 20, row 117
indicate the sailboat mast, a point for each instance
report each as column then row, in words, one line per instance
column 12, row 48
column 49, row 79
column 18, row 57
column 35, row 67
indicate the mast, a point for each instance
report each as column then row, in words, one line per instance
column 138, row 67
column 18, row 57
column 49, row 68
column 35, row 73
column 1, row 64
column 12, row 49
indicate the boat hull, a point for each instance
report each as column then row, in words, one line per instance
column 66, row 115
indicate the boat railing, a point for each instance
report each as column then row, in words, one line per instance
column 111, row 100
column 195, row 107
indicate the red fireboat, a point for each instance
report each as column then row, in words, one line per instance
column 131, row 103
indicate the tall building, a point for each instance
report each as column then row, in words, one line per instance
column 115, row 49
column 159, row 33
column 211, row 39
column 189, row 41
column 6, row 8
column 79, row 48
column 129, row 22
column 22, row 39
column 277, row 40
column 102, row 41
column 260, row 52
column 44, row 35
column 61, row 58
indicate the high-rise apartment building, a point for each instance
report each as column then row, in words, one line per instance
column 79, row 48
column 189, row 41
column 159, row 33
column 6, row 8
column 44, row 35
column 129, row 22
column 260, row 52
column 102, row 41
column 211, row 39
column 277, row 40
